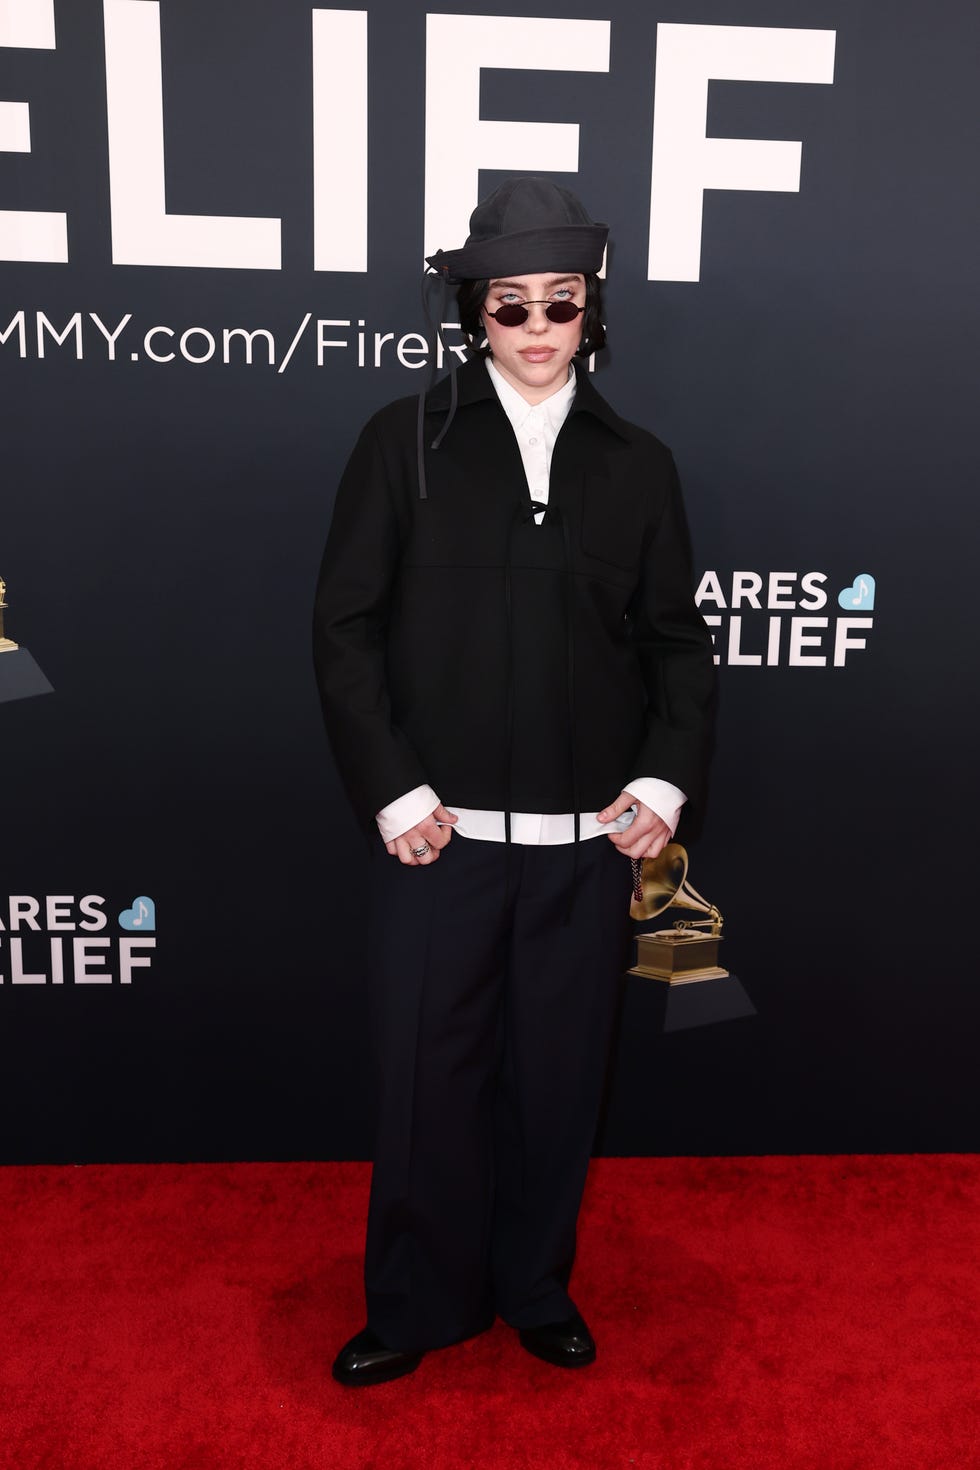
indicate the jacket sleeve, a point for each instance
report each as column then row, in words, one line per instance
column 676, row 656
column 376, row 761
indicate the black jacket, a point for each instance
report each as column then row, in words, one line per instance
column 453, row 635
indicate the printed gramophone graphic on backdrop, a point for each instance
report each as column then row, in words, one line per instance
column 20, row 677
column 6, row 644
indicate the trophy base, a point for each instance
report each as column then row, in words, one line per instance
column 710, row 972
column 20, row 677
column 691, row 988
column 680, row 1006
column 679, row 956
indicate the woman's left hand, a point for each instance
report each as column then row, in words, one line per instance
column 646, row 836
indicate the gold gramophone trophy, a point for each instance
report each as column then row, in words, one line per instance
column 7, row 645
column 688, row 951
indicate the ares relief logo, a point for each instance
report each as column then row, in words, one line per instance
column 798, row 620
column 59, row 940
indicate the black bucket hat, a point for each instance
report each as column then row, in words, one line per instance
column 527, row 224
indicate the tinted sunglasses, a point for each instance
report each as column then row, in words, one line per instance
column 513, row 315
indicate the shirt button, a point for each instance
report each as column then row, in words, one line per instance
column 532, row 441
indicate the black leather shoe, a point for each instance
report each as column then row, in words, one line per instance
column 567, row 1344
column 365, row 1359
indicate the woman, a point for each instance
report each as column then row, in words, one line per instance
column 511, row 667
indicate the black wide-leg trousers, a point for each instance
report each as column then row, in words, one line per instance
column 491, row 1021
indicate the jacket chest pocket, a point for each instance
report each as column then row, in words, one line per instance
column 612, row 521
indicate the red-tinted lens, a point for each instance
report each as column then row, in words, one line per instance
column 562, row 311
column 510, row 316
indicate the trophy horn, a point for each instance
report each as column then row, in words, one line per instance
column 665, row 886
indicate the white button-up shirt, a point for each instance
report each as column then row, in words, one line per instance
column 536, row 427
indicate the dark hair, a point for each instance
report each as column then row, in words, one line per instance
column 470, row 296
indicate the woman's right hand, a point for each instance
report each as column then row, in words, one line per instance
column 428, row 831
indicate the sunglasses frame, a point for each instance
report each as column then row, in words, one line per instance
column 523, row 305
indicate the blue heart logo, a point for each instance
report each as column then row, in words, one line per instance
column 143, row 914
column 860, row 594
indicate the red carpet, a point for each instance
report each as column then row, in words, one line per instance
column 793, row 1313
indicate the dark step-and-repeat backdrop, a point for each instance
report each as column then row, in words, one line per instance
column 212, row 225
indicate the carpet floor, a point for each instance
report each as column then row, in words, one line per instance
column 778, row 1313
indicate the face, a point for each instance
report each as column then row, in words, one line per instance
column 534, row 357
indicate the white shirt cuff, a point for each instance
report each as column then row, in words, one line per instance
column 406, row 812
column 660, row 796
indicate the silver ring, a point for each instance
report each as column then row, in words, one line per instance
column 420, row 852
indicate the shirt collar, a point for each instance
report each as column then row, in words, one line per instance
column 475, row 384
column 553, row 409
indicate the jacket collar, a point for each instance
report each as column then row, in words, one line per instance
column 473, row 384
